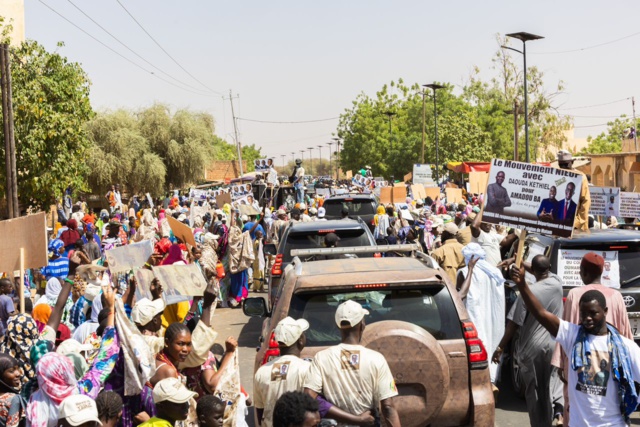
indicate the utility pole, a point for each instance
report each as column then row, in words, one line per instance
column 424, row 118
column 517, row 110
column 319, row 161
column 330, row 170
column 635, row 130
column 235, row 129
column 9, row 140
column 283, row 156
column 310, row 160
column 338, row 164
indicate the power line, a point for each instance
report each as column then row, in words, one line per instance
column 131, row 50
column 289, row 123
column 591, row 126
column 586, row 48
column 593, row 117
column 596, row 105
column 118, row 53
column 164, row 50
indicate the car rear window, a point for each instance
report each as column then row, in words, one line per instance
column 429, row 307
column 356, row 207
column 315, row 240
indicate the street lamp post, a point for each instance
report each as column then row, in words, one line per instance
column 310, row 160
column 283, row 156
column 319, row 161
column 435, row 87
column 339, row 165
column 330, row 170
column 524, row 37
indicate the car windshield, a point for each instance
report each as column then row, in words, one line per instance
column 428, row 306
column 315, row 240
column 356, row 207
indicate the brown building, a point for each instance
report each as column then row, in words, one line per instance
column 617, row 169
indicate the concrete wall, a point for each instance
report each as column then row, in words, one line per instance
column 13, row 13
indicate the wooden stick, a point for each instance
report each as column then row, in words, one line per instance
column 520, row 254
column 21, row 287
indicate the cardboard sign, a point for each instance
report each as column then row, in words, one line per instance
column 605, row 201
column 478, row 182
column 385, row 195
column 454, row 195
column 349, row 175
column 400, row 184
column 223, row 199
column 143, row 283
column 407, row 177
column 28, row 233
column 537, row 198
column 248, row 210
column 629, row 205
column 569, row 267
column 179, row 281
column 263, row 165
column 181, row 231
column 422, row 175
column 129, row 257
column 399, row 194
column 418, row 191
column 432, row 192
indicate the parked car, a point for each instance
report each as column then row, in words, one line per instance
column 359, row 205
column 417, row 321
column 310, row 235
column 622, row 242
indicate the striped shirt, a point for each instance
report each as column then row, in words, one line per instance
column 58, row 267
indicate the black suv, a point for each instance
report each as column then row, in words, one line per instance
column 360, row 206
column 310, row 235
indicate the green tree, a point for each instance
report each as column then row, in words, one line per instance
column 611, row 140
column 249, row 154
column 51, row 107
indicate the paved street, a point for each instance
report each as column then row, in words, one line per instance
column 511, row 411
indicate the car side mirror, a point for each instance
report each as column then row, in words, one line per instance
column 255, row 307
column 270, row 249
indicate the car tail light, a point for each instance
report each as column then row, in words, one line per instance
column 276, row 269
column 273, row 350
column 478, row 358
column 564, row 299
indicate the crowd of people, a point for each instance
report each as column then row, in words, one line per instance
column 89, row 349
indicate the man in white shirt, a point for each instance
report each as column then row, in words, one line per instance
column 490, row 242
column 283, row 374
column 298, row 181
column 351, row 376
column 603, row 364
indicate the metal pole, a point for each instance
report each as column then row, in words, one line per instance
column 283, row 156
column 330, row 170
column 515, row 130
column 235, row 129
column 435, row 115
column 339, row 162
column 526, row 101
column 635, row 130
column 424, row 118
column 320, row 151
column 13, row 210
column 310, row 161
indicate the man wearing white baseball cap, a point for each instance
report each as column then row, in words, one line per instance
column 283, row 374
column 78, row 410
column 147, row 314
column 171, row 398
column 351, row 376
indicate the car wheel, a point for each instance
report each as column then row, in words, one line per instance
column 419, row 366
column 516, row 380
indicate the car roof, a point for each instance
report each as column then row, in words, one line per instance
column 345, row 272
column 336, row 224
column 609, row 235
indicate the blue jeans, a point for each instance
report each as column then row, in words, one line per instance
column 299, row 193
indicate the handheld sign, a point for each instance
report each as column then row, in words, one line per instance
column 182, row 231
column 536, row 198
column 128, row 257
column 28, row 233
column 629, row 205
column 180, row 281
column 605, row 201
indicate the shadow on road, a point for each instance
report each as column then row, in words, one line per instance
column 508, row 400
column 250, row 332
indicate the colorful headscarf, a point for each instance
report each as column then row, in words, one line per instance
column 21, row 334
column 175, row 255
column 41, row 314
column 55, row 245
column 56, row 381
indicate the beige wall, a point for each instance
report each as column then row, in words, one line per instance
column 13, row 13
column 615, row 171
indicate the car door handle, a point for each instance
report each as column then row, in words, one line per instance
column 456, row 354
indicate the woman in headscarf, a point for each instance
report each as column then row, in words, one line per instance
column 71, row 235
column 41, row 314
column 381, row 222
column 174, row 256
column 12, row 405
column 22, row 333
column 148, row 227
column 209, row 260
column 51, row 297
column 56, row 376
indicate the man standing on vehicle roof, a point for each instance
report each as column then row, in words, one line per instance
column 297, row 179
column 351, row 376
column 591, row 268
column 581, row 222
column 535, row 346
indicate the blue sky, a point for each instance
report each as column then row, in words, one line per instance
column 300, row 60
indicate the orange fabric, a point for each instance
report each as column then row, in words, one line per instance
column 41, row 313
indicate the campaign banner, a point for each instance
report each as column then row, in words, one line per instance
column 605, row 201
column 629, row 205
column 569, row 267
column 361, row 181
column 263, row 165
column 128, row 257
column 180, row 281
column 422, row 175
column 196, row 193
column 240, row 190
column 523, row 195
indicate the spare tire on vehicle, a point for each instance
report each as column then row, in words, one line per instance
column 418, row 364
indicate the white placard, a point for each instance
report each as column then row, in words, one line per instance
column 569, row 267
column 263, row 165
column 605, row 201
column 629, row 205
column 128, row 257
column 180, row 281
column 422, row 175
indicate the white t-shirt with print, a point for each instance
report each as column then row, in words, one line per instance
column 352, row 377
column 272, row 380
column 592, row 391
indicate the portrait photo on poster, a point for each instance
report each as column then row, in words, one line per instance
column 537, row 198
column 605, row 201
